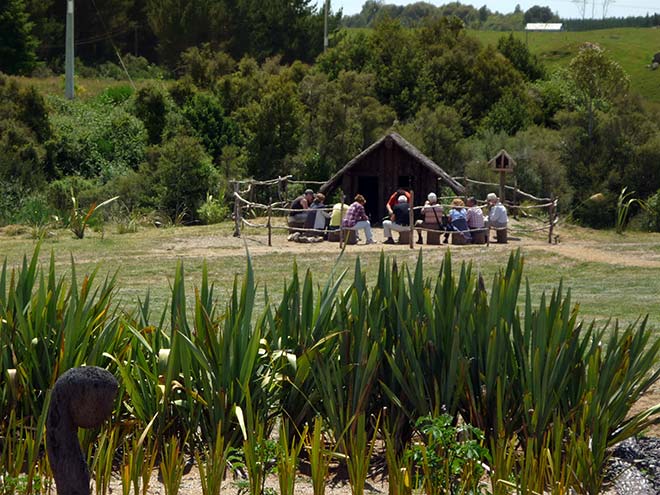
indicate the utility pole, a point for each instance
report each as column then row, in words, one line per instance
column 68, row 54
column 325, row 26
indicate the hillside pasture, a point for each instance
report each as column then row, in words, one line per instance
column 633, row 48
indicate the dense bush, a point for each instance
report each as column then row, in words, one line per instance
column 653, row 212
column 204, row 113
column 151, row 107
column 21, row 155
column 110, row 142
column 183, row 175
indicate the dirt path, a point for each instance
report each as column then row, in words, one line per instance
column 637, row 254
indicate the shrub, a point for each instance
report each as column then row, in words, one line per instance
column 137, row 67
column 36, row 213
column 12, row 193
column 151, row 107
column 204, row 64
column 94, row 140
column 58, row 192
column 653, row 212
column 184, row 174
column 182, row 91
column 598, row 211
column 448, row 459
column 116, row 95
column 207, row 117
column 21, row 155
column 212, row 211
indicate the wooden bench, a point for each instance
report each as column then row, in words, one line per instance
column 333, row 235
column 433, row 237
column 478, row 237
column 458, row 239
column 295, row 225
column 502, row 236
column 350, row 236
column 404, row 237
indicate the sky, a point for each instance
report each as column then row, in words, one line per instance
column 565, row 8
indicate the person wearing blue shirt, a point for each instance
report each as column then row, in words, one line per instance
column 458, row 220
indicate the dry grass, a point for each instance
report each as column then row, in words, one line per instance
column 611, row 276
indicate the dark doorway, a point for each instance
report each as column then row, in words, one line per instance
column 368, row 187
column 405, row 182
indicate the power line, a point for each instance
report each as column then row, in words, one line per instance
column 98, row 13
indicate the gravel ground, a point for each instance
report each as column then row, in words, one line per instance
column 635, row 467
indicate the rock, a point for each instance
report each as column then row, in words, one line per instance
column 81, row 398
column 633, row 467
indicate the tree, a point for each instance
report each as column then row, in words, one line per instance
column 151, row 106
column 343, row 117
column 17, row 46
column 521, row 58
column 98, row 26
column 273, row 129
column 437, row 132
column 491, row 77
column 206, row 116
column 183, row 175
column 539, row 14
column 181, row 24
column 597, row 79
column 397, row 67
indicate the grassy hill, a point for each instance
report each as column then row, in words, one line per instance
column 633, row 48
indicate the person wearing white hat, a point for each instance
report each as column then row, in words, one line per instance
column 399, row 219
column 432, row 214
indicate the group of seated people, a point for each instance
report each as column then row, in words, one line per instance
column 468, row 222
column 467, row 219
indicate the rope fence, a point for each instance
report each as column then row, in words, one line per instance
column 241, row 204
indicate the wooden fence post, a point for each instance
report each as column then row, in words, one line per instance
column 551, row 216
column 237, row 212
column 411, row 218
column 341, row 222
column 270, row 230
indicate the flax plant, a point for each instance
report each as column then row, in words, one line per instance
column 103, row 458
column 48, row 326
column 297, row 330
column 288, row 456
column 424, row 361
column 224, row 361
column 360, row 449
column 399, row 467
column 212, row 463
column 138, row 460
column 319, row 456
column 171, row 466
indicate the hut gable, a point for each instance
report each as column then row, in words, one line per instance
column 388, row 164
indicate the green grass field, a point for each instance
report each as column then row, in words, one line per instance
column 633, row 48
column 610, row 276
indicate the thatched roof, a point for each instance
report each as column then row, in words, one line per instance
column 408, row 148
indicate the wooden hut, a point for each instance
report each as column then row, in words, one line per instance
column 388, row 164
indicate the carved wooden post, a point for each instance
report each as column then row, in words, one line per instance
column 81, row 398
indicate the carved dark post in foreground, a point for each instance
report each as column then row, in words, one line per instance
column 81, row 397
